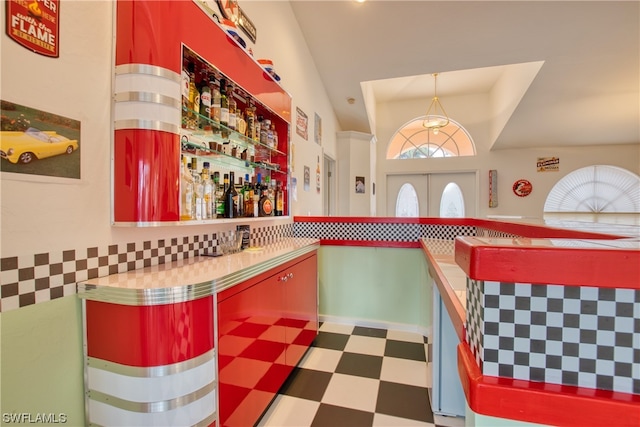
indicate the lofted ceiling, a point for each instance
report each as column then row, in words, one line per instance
column 558, row 73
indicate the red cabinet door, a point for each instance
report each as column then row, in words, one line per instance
column 264, row 327
column 301, row 299
column 251, row 352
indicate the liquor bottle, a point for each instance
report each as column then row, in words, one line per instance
column 240, row 200
column 241, row 123
column 185, row 92
column 265, row 204
column 224, row 108
column 186, row 191
column 194, row 96
column 279, row 200
column 256, row 196
column 219, row 194
column 270, row 133
column 247, row 191
column 198, row 190
column 258, row 129
column 251, row 126
column 215, row 99
column 265, row 124
column 209, row 196
column 230, row 197
column 274, row 137
column 233, row 114
column 205, row 105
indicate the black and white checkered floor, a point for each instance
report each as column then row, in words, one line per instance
column 357, row 376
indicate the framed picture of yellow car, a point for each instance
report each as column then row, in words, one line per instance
column 36, row 142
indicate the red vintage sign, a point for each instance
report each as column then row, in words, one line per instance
column 34, row 24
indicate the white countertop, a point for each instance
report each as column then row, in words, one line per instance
column 193, row 277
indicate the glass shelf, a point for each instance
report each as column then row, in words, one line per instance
column 203, row 152
column 217, row 131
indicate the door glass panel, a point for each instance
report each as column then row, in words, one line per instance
column 452, row 202
column 407, row 202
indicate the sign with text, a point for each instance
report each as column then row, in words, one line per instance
column 34, row 24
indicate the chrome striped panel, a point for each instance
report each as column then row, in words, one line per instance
column 153, row 371
column 147, row 407
column 182, row 293
column 147, row 97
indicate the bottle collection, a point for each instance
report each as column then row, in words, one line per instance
column 220, row 121
column 204, row 197
column 210, row 104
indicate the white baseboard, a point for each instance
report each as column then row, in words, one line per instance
column 368, row 323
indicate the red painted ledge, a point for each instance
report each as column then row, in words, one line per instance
column 530, row 263
column 543, row 403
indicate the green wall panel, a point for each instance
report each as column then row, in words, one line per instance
column 387, row 285
column 41, row 368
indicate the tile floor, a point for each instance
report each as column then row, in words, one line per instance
column 357, row 376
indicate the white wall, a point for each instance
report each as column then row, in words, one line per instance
column 472, row 112
column 280, row 39
column 47, row 215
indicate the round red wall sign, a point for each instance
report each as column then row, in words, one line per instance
column 522, row 188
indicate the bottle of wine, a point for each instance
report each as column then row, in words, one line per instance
column 279, row 200
column 240, row 198
column 219, row 193
column 230, row 197
column 224, row 108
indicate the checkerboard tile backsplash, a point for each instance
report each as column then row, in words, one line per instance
column 31, row 279
column 581, row 336
column 396, row 232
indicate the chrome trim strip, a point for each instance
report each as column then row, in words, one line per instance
column 150, row 70
column 150, row 372
column 150, row 407
column 176, row 294
column 240, row 276
column 146, row 124
column 207, row 421
column 152, row 97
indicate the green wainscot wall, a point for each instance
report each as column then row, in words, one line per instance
column 41, row 364
column 473, row 419
column 386, row 286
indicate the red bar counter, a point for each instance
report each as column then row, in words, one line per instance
column 550, row 332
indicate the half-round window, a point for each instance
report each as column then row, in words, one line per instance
column 413, row 141
column 596, row 189
column 407, row 202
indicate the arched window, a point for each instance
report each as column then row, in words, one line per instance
column 596, row 189
column 407, row 202
column 452, row 202
column 413, row 141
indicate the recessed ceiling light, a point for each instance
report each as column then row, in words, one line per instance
column 351, row 100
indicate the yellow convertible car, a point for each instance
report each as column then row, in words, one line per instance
column 32, row 144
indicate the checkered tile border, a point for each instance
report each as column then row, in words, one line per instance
column 398, row 232
column 485, row 232
column 474, row 326
column 31, row 279
column 581, row 336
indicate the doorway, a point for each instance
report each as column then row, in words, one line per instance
column 429, row 188
column 329, row 185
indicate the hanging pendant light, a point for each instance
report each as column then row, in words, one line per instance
column 436, row 117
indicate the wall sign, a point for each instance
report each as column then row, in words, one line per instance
column 493, row 188
column 522, row 188
column 34, row 25
column 548, row 164
column 233, row 12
